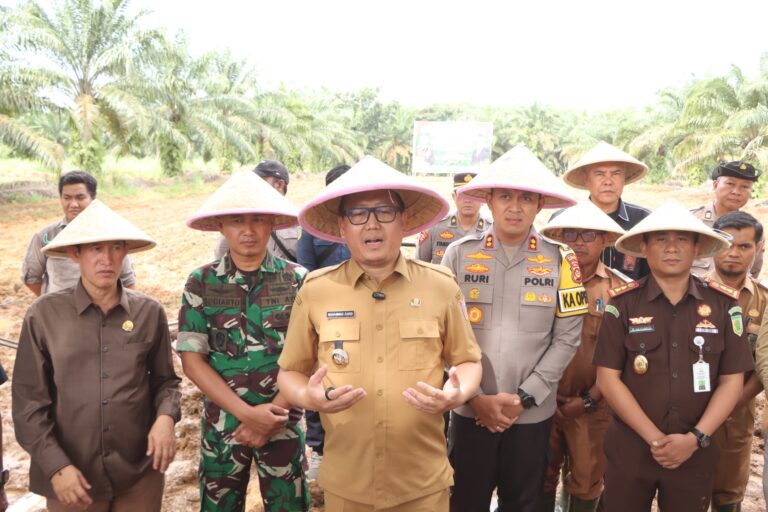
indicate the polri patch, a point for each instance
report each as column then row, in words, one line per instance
column 340, row 314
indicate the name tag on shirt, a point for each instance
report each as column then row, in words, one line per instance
column 701, row 377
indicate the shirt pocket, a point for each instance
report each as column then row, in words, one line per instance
column 479, row 302
column 537, row 309
column 711, row 350
column 420, row 346
column 646, row 342
column 344, row 334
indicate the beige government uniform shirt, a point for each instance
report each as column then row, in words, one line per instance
column 87, row 387
column 704, row 266
column 434, row 241
column 526, row 314
column 56, row 273
column 381, row 451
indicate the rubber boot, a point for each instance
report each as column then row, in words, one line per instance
column 546, row 502
column 578, row 505
column 731, row 507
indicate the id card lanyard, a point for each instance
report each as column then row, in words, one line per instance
column 701, row 382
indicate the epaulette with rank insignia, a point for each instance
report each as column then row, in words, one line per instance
column 621, row 290
column 725, row 290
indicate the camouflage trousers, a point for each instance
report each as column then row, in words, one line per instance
column 225, row 469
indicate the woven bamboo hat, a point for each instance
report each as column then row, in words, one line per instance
column 98, row 223
column 519, row 169
column 244, row 193
column 424, row 206
column 576, row 175
column 672, row 216
column 584, row 215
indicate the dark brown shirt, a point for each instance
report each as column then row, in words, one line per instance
column 87, row 387
column 646, row 323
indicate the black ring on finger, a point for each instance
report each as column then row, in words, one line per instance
column 327, row 393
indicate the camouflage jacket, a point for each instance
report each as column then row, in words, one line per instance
column 240, row 321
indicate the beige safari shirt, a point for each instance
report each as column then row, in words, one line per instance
column 705, row 266
column 381, row 451
column 434, row 241
column 57, row 273
column 526, row 314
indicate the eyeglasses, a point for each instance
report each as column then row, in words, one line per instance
column 571, row 235
column 383, row 214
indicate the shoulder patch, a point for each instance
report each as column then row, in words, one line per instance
column 570, row 265
column 621, row 290
column 725, row 290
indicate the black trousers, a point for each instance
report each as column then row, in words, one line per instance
column 514, row 461
column 315, row 432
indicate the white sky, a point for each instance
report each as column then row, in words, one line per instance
column 583, row 54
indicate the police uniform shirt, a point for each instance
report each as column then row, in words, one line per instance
column 289, row 237
column 640, row 320
column 57, row 273
column 704, row 266
column 526, row 314
column 627, row 215
column 434, row 241
column 381, row 451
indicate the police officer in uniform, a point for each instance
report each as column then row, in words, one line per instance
column 671, row 356
column 368, row 341
column 734, row 437
column 604, row 170
column 732, row 184
column 582, row 416
column 282, row 242
column 526, row 302
column 466, row 218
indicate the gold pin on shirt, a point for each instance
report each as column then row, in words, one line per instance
column 128, row 326
column 640, row 364
column 416, row 302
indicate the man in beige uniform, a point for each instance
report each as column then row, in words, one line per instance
column 466, row 218
column 732, row 184
column 582, row 417
column 367, row 343
column 44, row 274
column 282, row 243
column 525, row 301
column 734, row 438
column 95, row 396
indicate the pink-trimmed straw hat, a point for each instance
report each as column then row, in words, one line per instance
column 519, row 169
column 424, row 206
column 244, row 193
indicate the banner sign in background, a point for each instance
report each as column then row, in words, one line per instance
column 451, row 146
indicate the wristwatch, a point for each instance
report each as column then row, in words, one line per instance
column 703, row 438
column 589, row 403
column 527, row 400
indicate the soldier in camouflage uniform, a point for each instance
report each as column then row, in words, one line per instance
column 233, row 318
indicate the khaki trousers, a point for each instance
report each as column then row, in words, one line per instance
column 145, row 495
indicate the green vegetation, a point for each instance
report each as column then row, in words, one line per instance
column 128, row 104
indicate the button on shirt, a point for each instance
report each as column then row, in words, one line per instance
column 647, row 323
column 382, row 450
column 87, row 387
column 56, row 273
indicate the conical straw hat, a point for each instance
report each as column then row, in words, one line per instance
column 424, row 206
column 519, row 169
column 672, row 216
column 576, row 175
column 584, row 215
column 98, row 223
column 244, row 193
